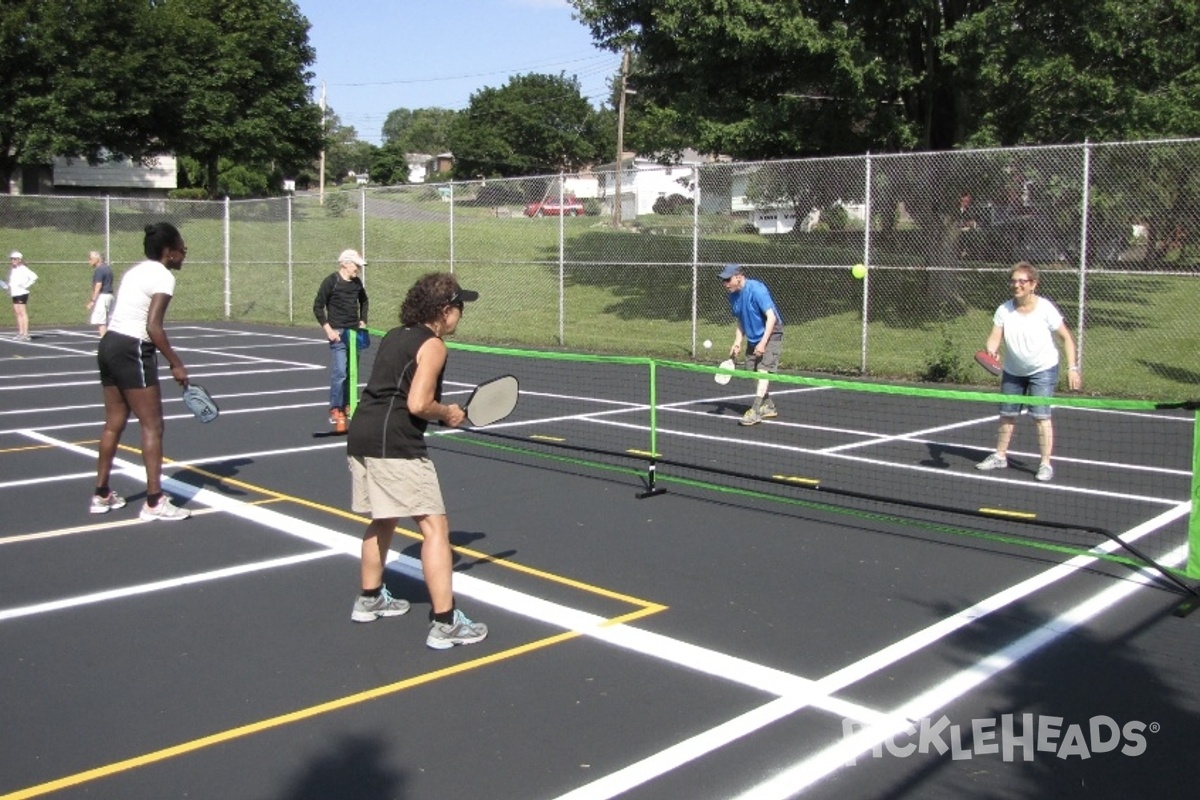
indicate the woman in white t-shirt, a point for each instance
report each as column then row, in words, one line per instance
column 1028, row 325
column 128, row 362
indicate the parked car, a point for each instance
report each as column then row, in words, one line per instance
column 571, row 207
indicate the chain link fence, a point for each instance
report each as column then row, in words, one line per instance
column 1112, row 227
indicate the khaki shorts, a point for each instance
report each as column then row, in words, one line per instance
column 387, row 488
column 102, row 309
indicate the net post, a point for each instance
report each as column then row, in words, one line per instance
column 1193, row 560
column 652, row 489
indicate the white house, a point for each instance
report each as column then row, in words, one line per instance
column 644, row 181
column 154, row 178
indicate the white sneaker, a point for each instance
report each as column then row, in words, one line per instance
column 102, row 505
column 994, row 461
column 165, row 510
column 1045, row 473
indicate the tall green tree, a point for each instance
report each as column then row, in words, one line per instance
column 535, row 124
column 421, row 130
column 233, row 84
column 781, row 78
column 75, row 80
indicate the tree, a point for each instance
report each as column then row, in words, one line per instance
column 423, row 130
column 535, row 124
column 74, row 81
column 235, row 84
column 389, row 165
column 785, row 78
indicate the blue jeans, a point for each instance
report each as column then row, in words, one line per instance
column 339, row 376
column 1039, row 384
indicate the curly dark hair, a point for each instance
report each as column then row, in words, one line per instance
column 427, row 297
column 159, row 237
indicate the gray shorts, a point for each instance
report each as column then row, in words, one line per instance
column 770, row 359
column 388, row 488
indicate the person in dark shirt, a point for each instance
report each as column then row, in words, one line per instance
column 391, row 473
column 100, row 300
column 341, row 308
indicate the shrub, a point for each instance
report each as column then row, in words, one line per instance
column 673, row 204
column 835, row 217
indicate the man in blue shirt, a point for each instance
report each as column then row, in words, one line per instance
column 761, row 325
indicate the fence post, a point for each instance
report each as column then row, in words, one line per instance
column 1085, row 199
column 452, row 227
column 107, row 229
column 866, row 281
column 696, row 256
column 228, row 277
column 290, row 273
column 562, row 269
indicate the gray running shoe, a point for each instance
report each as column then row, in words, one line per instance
column 102, row 505
column 1045, row 472
column 753, row 416
column 460, row 631
column 165, row 510
column 994, row 461
column 368, row 609
column 767, row 411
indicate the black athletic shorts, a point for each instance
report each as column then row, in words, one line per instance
column 127, row 362
column 21, row 300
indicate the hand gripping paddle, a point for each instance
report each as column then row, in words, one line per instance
column 492, row 401
column 725, row 377
column 200, row 403
column 988, row 362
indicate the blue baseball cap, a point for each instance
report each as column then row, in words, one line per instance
column 729, row 271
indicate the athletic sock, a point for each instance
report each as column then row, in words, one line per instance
column 372, row 592
column 445, row 617
column 102, row 491
column 154, row 499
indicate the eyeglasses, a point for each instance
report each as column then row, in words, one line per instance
column 726, row 280
column 1019, row 281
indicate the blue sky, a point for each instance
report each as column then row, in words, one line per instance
column 375, row 56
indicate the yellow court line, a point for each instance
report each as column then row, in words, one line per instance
column 303, row 713
column 1004, row 512
column 465, row 551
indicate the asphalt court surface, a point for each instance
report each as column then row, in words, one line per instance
column 694, row 644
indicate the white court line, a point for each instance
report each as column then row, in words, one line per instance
column 798, row 692
column 158, row 586
column 793, row 780
column 26, row 412
column 694, row 747
column 730, row 668
column 941, row 473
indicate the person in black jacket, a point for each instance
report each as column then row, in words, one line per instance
column 391, row 473
column 341, row 308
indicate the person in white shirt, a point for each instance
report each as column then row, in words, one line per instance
column 20, row 279
column 1028, row 324
column 128, row 361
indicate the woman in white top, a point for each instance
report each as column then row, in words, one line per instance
column 1028, row 325
column 128, row 362
column 20, row 279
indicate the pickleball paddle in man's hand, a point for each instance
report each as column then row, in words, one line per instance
column 988, row 361
column 200, row 402
column 725, row 377
column 492, row 401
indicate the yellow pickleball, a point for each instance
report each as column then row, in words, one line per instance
column 859, row 271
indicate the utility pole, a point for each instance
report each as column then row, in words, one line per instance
column 621, row 137
column 322, row 177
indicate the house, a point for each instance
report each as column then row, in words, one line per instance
column 418, row 163
column 128, row 178
column 643, row 182
column 440, row 164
